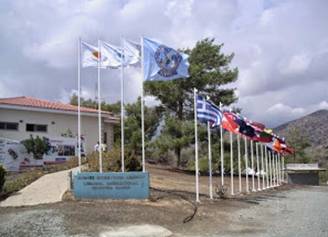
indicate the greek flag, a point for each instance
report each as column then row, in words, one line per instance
column 207, row 111
column 162, row 62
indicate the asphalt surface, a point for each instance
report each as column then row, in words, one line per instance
column 287, row 211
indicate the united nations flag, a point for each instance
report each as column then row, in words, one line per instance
column 162, row 62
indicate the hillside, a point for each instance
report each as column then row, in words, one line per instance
column 314, row 126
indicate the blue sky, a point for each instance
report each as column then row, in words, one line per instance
column 281, row 47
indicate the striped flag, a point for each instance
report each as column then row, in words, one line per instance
column 207, row 111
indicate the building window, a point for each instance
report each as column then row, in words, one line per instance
column 36, row 127
column 9, row 126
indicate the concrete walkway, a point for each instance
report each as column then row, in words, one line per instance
column 47, row 189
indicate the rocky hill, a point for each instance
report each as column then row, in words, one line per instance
column 314, row 126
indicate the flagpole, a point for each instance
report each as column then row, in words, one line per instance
column 122, row 106
column 270, row 168
column 142, row 108
column 274, row 170
column 99, row 110
column 196, row 146
column 231, row 164
column 79, row 101
column 246, row 164
column 283, row 169
column 210, row 160
column 264, row 166
column 252, row 161
column 239, row 165
column 258, row 166
column 267, row 168
column 222, row 155
column 279, row 169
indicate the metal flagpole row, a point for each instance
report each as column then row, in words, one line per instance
column 79, row 102
column 122, row 106
column 99, row 111
column 142, row 108
column 258, row 167
column 231, row 165
column 246, row 164
column 274, row 170
column 252, row 164
column 239, row 165
column 209, row 160
column 196, row 146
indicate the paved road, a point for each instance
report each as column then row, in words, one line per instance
column 292, row 212
column 47, row 189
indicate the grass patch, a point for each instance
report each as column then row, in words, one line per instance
column 15, row 181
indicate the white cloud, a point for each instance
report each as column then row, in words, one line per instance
column 282, row 58
column 323, row 105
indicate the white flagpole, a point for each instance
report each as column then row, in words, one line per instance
column 99, row 110
column 142, row 108
column 196, row 146
column 252, row 164
column 283, row 169
column 270, row 167
column 210, row 160
column 122, row 106
column 239, row 163
column 258, row 166
column 274, row 170
column 79, row 102
column 246, row 164
column 222, row 155
column 263, row 167
column 279, row 168
column 231, row 164
column 267, row 168
column 276, row 166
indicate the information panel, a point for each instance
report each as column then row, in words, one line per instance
column 114, row 185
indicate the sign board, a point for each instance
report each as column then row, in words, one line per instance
column 113, row 185
column 14, row 156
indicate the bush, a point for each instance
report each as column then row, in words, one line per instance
column 2, row 177
column 112, row 161
column 37, row 146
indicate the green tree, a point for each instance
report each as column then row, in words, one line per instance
column 299, row 141
column 37, row 146
column 209, row 72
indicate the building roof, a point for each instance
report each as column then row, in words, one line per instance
column 31, row 102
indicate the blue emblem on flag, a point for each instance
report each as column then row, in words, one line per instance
column 168, row 60
column 163, row 63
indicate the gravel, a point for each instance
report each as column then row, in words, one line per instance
column 291, row 211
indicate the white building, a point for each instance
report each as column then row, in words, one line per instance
column 23, row 116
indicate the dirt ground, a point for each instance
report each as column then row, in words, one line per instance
column 172, row 206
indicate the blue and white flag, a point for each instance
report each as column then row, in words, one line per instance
column 162, row 62
column 207, row 111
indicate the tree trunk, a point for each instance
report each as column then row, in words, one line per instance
column 178, row 154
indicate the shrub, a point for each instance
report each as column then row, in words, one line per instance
column 111, row 161
column 2, row 177
column 37, row 146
